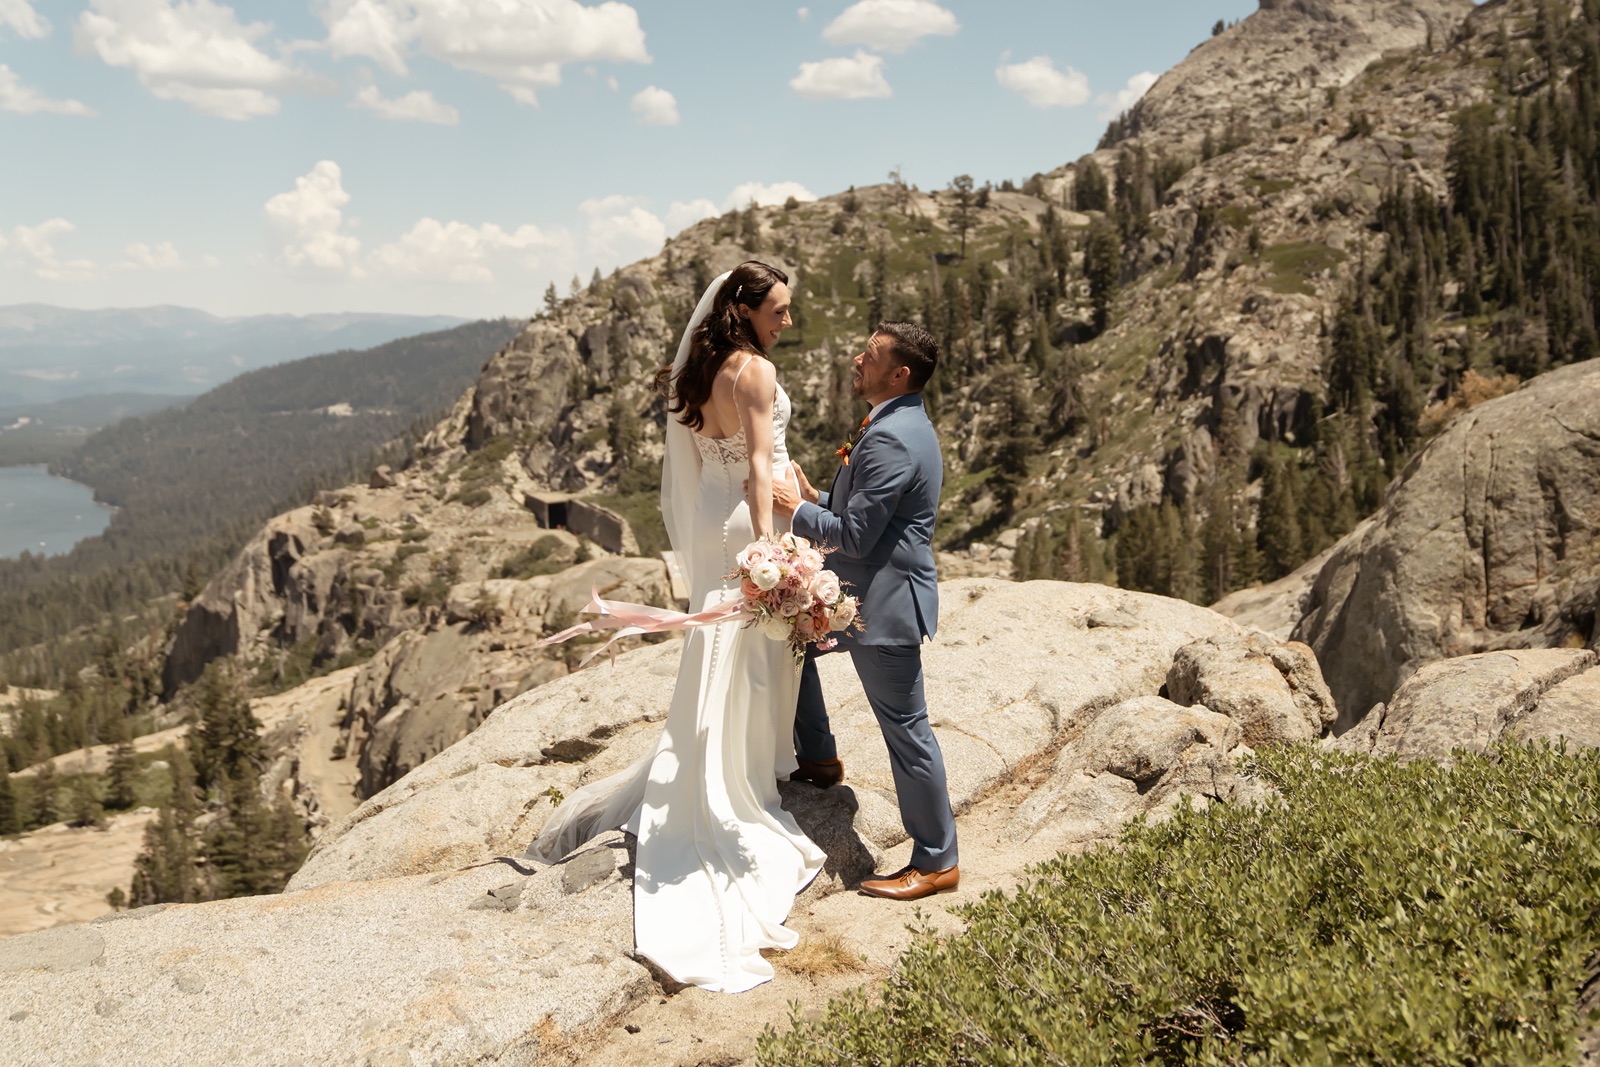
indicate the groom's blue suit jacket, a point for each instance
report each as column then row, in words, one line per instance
column 878, row 518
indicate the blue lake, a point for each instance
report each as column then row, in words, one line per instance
column 45, row 515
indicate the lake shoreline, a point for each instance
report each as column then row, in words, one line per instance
column 38, row 508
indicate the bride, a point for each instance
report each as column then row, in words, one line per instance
column 719, row 861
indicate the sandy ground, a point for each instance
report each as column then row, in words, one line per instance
column 96, row 758
column 60, row 874
column 316, row 705
column 693, row 1027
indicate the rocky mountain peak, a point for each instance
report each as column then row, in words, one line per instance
column 1280, row 63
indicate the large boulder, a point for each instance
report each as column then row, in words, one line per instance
column 1487, row 541
column 1471, row 702
column 1274, row 691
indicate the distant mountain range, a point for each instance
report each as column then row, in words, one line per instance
column 51, row 353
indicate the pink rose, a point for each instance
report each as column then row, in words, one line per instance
column 825, row 587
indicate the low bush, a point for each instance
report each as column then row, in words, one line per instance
column 1373, row 912
column 545, row 555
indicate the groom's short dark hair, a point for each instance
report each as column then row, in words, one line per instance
column 914, row 349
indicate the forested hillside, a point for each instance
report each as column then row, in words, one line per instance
column 49, row 433
column 192, row 484
column 1477, row 270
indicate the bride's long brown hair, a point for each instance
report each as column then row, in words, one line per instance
column 723, row 332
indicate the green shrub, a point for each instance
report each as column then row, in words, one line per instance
column 543, row 556
column 1374, row 912
column 474, row 497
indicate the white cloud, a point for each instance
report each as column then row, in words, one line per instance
column 682, row 214
column 803, row 14
column 313, row 213
column 416, row 106
column 521, row 45
column 196, row 52
column 655, row 107
column 20, row 17
column 859, row 77
column 620, row 229
column 162, row 257
column 1114, row 104
column 890, row 25
column 23, row 100
column 37, row 245
column 458, row 252
column 1042, row 85
column 773, row 195
column 377, row 29
column 612, row 83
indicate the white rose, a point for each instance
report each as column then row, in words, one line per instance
column 766, row 575
column 825, row 587
column 843, row 615
column 775, row 627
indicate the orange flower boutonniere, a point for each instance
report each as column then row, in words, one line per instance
column 844, row 450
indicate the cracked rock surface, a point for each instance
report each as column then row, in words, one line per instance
column 1486, row 542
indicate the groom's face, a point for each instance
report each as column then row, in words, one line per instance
column 879, row 376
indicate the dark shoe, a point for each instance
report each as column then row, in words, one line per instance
column 819, row 772
column 909, row 883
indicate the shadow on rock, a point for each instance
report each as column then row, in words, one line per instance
column 827, row 816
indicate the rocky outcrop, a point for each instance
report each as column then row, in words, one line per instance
column 1047, row 690
column 1283, row 61
column 1489, row 540
column 1015, row 669
column 1471, row 702
column 1273, row 691
column 429, row 688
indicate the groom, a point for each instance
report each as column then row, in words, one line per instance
column 878, row 518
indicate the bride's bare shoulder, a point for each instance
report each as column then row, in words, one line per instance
column 751, row 370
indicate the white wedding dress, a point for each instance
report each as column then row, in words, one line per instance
column 719, row 861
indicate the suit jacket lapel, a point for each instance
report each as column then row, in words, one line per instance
column 838, row 493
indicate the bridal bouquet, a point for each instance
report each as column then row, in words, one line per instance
column 783, row 590
column 789, row 596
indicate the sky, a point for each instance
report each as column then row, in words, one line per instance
column 457, row 156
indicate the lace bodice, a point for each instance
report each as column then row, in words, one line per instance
column 734, row 449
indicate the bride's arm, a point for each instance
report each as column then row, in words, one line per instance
column 755, row 393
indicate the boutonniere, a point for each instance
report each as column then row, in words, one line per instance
column 844, row 450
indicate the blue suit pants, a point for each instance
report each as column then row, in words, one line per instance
column 891, row 676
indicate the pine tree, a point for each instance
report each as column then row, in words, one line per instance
column 1091, row 191
column 962, row 217
column 120, row 776
column 1278, row 526
column 46, row 799
column 10, row 823
column 227, row 742
column 1102, row 265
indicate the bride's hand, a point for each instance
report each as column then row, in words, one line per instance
column 786, row 494
column 807, row 493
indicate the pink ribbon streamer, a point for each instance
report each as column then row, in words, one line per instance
column 629, row 620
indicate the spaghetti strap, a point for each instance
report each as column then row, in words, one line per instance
column 748, row 360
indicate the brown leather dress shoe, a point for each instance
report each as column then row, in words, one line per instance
column 909, row 883
column 819, row 772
